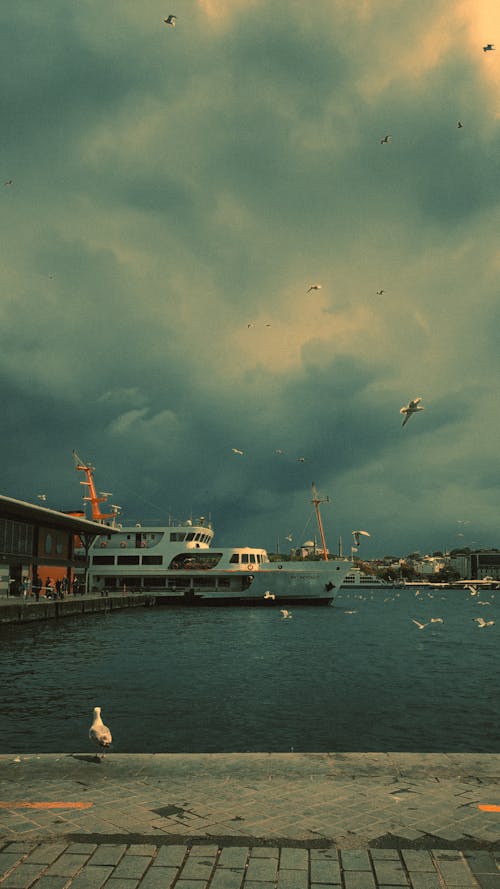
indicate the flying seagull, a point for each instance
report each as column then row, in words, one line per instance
column 356, row 534
column 237, row 451
column 489, row 47
column 420, row 625
column 42, row 496
column 481, row 622
column 170, row 20
column 411, row 408
column 301, row 459
column 9, row 182
column 285, row 613
column 100, row 733
column 269, row 595
column 314, row 287
column 386, row 140
column 380, row 292
column 459, row 125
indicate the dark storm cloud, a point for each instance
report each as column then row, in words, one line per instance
column 171, row 187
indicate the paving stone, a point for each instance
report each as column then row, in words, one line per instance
column 160, row 878
column 294, row 859
column 321, row 854
column 324, row 885
column 47, row 853
column 170, row 856
column 292, row 879
column 190, row 884
column 418, row 860
column 354, row 859
column 197, row 868
column 453, row 869
column 107, row 854
column 481, row 862
column 23, row 875
column 384, row 854
column 488, row 881
column 233, row 856
column 424, row 880
column 20, row 848
column 51, row 883
column 325, row 871
column 262, row 869
column 359, row 880
column 204, row 850
column 390, row 872
column 142, row 850
column 67, row 865
column 92, row 877
column 227, row 878
column 264, row 852
column 8, row 860
column 122, row 884
column 81, row 848
column 253, row 885
column 131, row 867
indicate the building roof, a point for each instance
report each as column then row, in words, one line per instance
column 20, row 510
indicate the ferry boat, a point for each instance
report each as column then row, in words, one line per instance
column 358, row 580
column 176, row 562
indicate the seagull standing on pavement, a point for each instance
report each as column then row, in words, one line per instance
column 411, row 408
column 100, row 733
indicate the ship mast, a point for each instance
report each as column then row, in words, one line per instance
column 317, row 502
column 92, row 497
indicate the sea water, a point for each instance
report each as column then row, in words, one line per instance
column 357, row 676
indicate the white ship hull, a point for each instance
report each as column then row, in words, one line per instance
column 165, row 563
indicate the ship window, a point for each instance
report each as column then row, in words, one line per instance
column 103, row 560
column 234, row 558
column 128, row 560
column 223, row 582
column 190, row 536
column 177, row 535
column 152, row 560
column 244, row 557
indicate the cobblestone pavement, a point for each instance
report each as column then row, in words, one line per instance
column 59, row 865
column 281, row 821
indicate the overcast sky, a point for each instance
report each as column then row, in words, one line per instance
column 175, row 192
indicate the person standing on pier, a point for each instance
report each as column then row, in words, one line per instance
column 37, row 586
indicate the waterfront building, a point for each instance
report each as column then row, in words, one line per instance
column 36, row 542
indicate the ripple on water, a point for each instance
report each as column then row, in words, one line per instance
column 236, row 679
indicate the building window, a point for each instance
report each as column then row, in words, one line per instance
column 128, row 560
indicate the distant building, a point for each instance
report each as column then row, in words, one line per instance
column 485, row 564
column 309, row 549
column 460, row 562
